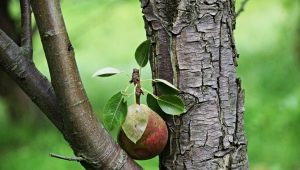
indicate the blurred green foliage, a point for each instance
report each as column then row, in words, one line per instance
column 106, row 33
column 269, row 68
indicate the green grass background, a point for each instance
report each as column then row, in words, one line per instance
column 106, row 33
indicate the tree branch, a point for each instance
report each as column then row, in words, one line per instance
column 26, row 34
column 21, row 69
column 242, row 8
column 86, row 135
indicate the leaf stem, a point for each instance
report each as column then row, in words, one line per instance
column 126, row 94
column 147, row 91
column 140, row 71
column 127, row 87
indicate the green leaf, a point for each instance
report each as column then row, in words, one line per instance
column 142, row 53
column 106, row 72
column 136, row 122
column 115, row 111
column 171, row 104
column 165, row 87
column 152, row 103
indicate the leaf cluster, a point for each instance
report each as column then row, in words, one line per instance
column 116, row 109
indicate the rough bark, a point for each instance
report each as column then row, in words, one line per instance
column 193, row 48
column 86, row 135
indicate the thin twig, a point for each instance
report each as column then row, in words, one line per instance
column 242, row 8
column 26, row 35
column 77, row 159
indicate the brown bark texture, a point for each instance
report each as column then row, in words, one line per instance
column 63, row 100
column 194, row 48
column 86, row 135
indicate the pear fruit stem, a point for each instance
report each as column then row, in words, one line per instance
column 135, row 79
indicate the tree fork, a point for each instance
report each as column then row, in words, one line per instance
column 86, row 135
column 74, row 118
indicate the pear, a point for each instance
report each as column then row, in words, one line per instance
column 153, row 138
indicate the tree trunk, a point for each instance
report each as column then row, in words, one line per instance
column 193, row 48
